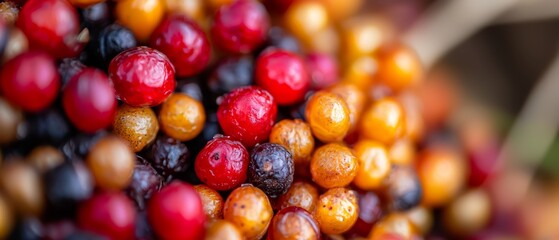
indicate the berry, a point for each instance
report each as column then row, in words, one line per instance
column 140, row 16
column 271, row 169
column 323, row 69
column 184, row 42
column 212, row 201
column 250, row 210
column 110, row 214
column 293, row 223
column 300, row 194
column 176, row 212
column 333, row 165
column 145, row 182
column 336, row 210
column 111, row 162
column 111, row 41
column 69, row 67
column 328, row 116
column 89, row 100
column 383, row 121
column 222, row 229
column 375, row 165
column 231, row 73
column 247, row 114
column 222, row 164
column 66, row 185
column 279, row 38
column 51, row 25
column 30, row 81
column 182, row 117
column 296, row 137
column 283, row 74
column 241, row 26
column 142, row 76
column 169, row 156
column 137, row 125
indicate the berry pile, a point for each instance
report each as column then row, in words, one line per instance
column 191, row 119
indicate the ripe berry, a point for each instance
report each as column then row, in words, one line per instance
column 111, row 161
column 110, row 214
column 284, row 75
column 182, row 117
column 140, row 16
column 241, row 26
column 30, row 81
column 176, row 212
column 293, row 223
column 89, row 100
column 222, row 164
column 324, row 70
column 111, row 41
column 247, row 114
column 142, row 76
column 55, row 31
column 271, row 169
column 184, row 42
column 250, row 210
column 328, row 116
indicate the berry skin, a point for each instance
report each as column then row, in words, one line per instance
column 284, row 75
column 182, row 117
column 250, row 210
column 51, row 25
column 110, row 214
column 293, row 223
column 271, row 169
column 333, row 165
column 374, row 165
column 247, row 114
column 111, row 162
column 169, row 156
column 323, row 69
column 30, row 81
column 140, row 16
column 137, row 125
column 142, row 76
column 176, row 212
column 184, row 42
column 222, row 164
column 300, row 194
column 384, row 121
column 240, row 27
column 337, row 210
column 212, row 201
column 111, row 41
column 399, row 67
column 328, row 116
column 89, row 100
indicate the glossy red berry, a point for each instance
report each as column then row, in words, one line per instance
column 222, row 164
column 89, row 100
column 30, row 81
column 184, row 42
column 142, row 76
column 52, row 26
column 109, row 214
column 323, row 69
column 176, row 212
column 241, row 26
column 247, row 114
column 284, row 75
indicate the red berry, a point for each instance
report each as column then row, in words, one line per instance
column 184, row 43
column 176, row 212
column 89, row 100
column 142, row 76
column 323, row 69
column 222, row 164
column 110, row 214
column 51, row 25
column 284, row 75
column 30, row 81
column 241, row 26
column 247, row 114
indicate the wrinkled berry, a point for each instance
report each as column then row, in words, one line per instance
column 169, row 156
column 271, row 169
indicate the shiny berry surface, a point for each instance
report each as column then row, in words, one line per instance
column 247, row 114
column 374, row 165
column 109, row 214
column 176, row 212
column 271, row 169
column 140, row 16
column 30, row 81
column 283, row 74
column 250, row 210
column 293, row 223
column 212, row 201
column 111, row 162
column 168, row 155
column 328, row 116
column 111, row 41
column 222, row 164
column 296, row 137
column 182, row 117
column 337, row 210
column 222, row 229
column 52, row 26
column 142, row 76
column 300, row 194
column 333, row 165
column 89, row 100
column 184, row 42
column 384, row 121
column 241, row 26
column 137, row 125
